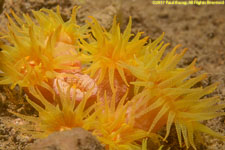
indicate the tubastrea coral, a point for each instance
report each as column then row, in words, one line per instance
column 117, row 85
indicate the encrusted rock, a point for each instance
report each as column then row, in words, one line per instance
column 75, row 139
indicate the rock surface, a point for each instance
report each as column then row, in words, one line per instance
column 75, row 139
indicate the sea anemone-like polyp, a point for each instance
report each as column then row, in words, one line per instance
column 39, row 51
column 168, row 95
column 64, row 115
column 114, row 128
column 107, row 51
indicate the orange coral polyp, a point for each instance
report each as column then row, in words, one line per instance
column 114, row 128
column 63, row 115
column 40, row 51
column 108, row 50
column 166, row 95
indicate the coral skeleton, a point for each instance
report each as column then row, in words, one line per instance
column 122, row 88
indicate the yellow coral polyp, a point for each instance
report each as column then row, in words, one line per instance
column 108, row 50
column 47, row 22
column 65, row 115
column 114, row 128
column 38, row 50
column 166, row 94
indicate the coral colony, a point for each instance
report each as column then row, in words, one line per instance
column 114, row 84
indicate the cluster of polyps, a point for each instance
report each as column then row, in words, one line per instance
column 116, row 85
